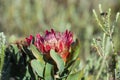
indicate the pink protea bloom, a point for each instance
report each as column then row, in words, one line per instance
column 60, row 42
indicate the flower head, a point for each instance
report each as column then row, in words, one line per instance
column 60, row 42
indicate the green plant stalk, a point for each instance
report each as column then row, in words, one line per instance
column 2, row 48
column 96, row 47
column 103, row 43
column 112, row 30
column 100, row 8
column 112, row 44
column 2, row 59
column 114, row 24
column 113, row 48
column 101, row 68
column 107, row 76
column 108, row 19
column 98, row 21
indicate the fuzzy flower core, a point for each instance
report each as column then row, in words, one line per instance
column 60, row 42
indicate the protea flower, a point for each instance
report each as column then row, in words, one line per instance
column 60, row 42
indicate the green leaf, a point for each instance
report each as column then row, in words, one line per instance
column 74, row 66
column 69, row 65
column 75, row 51
column 49, row 72
column 38, row 67
column 77, row 62
column 59, row 61
column 16, row 50
column 76, row 76
column 36, row 53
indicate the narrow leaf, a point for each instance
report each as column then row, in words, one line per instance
column 36, row 53
column 76, row 76
column 75, row 50
column 59, row 61
column 49, row 72
column 38, row 67
column 74, row 66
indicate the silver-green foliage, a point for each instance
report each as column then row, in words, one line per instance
column 105, row 47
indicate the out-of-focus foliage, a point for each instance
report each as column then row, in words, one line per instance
column 23, row 17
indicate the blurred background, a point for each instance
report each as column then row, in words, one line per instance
column 20, row 18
